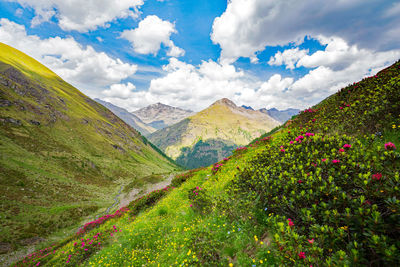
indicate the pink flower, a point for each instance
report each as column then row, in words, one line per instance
column 341, row 150
column 346, row 146
column 390, row 146
column 282, row 150
column 323, row 160
column 291, row 142
column 311, row 241
column 299, row 181
column 302, row 255
column 340, row 107
column 290, row 222
column 309, row 134
column 335, row 161
column 377, row 176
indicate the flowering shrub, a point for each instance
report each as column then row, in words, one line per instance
column 336, row 213
column 216, row 167
column 96, row 223
column 200, row 201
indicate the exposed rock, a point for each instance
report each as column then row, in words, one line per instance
column 34, row 122
column 118, row 148
column 11, row 120
column 5, row 247
column 5, row 103
column 31, row 241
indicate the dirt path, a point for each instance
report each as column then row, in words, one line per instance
column 136, row 193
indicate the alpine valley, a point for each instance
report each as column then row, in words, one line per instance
column 199, row 133
column 322, row 190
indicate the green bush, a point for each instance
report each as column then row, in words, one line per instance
column 341, row 192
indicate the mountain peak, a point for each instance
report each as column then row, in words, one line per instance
column 226, row 102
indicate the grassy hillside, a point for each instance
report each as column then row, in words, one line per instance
column 314, row 193
column 211, row 134
column 62, row 155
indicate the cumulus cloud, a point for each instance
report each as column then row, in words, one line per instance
column 189, row 86
column 150, row 34
column 248, row 26
column 195, row 87
column 122, row 91
column 289, row 57
column 81, row 15
column 82, row 66
column 336, row 66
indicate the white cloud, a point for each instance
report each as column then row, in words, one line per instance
column 82, row 66
column 248, row 26
column 189, row 86
column 81, row 15
column 289, row 57
column 123, row 91
column 19, row 12
column 336, row 66
column 150, row 34
column 195, row 87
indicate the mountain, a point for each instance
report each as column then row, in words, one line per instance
column 160, row 115
column 63, row 155
column 211, row 134
column 322, row 191
column 130, row 118
column 247, row 107
column 281, row 115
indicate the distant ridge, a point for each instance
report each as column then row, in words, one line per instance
column 281, row 115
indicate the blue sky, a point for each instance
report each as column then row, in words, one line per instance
column 261, row 53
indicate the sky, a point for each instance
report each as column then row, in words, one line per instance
column 188, row 54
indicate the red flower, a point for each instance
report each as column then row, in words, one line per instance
column 377, row 176
column 341, row 150
column 299, row 181
column 290, row 222
column 311, row 241
column 390, row 146
column 302, row 255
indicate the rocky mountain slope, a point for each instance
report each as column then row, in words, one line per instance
column 128, row 117
column 160, row 115
column 63, row 156
column 212, row 133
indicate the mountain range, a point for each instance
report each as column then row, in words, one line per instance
column 63, row 155
column 212, row 134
